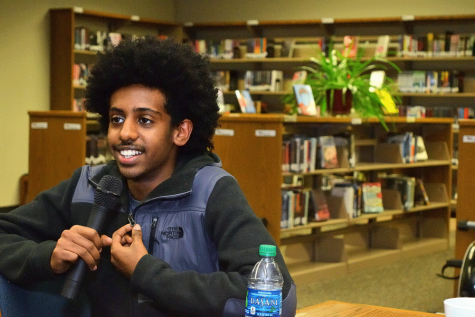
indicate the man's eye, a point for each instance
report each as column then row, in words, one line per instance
column 145, row 121
column 116, row 119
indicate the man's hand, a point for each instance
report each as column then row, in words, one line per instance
column 78, row 242
column 126, row 251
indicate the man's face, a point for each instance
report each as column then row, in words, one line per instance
column 140, row 135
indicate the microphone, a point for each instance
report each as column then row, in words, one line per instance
column 106, row 197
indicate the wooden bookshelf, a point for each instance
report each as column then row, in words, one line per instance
column 63, row 55
column 371, row 239
column 367, row 30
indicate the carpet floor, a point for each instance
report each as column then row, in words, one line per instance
column 410, row 284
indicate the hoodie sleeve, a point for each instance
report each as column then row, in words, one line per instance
column 28, row 234
column 237, row 233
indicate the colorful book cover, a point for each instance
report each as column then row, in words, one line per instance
column 382, row 46
column 327, row 152
column 305, row 100
column 250, row 108
column 372, row 197
column 319, row 206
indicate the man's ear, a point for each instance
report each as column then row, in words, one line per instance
column 183, row 132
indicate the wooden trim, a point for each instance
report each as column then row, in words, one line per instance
column 121, row 17
column 336, row 21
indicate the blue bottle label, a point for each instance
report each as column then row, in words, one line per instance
column 263, row 303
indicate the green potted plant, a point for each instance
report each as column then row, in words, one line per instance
column 339, row 77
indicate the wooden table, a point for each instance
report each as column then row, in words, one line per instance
column 340, row 309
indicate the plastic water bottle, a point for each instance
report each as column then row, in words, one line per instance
column 264, row 288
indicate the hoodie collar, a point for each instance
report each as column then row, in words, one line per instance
column 180, row 183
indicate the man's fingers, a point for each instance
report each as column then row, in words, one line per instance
column 121, row 232
column 88, row 233
column 137, row 233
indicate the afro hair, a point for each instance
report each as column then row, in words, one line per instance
column 175, row 69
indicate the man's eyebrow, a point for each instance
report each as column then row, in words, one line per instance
column 114, row 109
column 146, row 110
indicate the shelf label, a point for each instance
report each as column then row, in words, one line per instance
column 72, row 126
column 356, row 121
column 408, row 18
column 410, row 119
column 469, row 139
column 266, row 133
column 252, row 22
column 188, row 24
column 328, row 20
column 224, row 132
column 78, row 10
column 290, row 118
column 135, row 18
column 39, row 125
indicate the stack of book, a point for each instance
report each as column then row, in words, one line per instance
column 264, row 80
column 430, row 81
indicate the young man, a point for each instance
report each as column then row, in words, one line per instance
column 182, row 239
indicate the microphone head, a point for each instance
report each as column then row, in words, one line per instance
column 108, row 191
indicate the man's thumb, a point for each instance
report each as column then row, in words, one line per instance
column 137, row 232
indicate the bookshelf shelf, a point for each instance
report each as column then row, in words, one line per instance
column 448, row 95
column 85, row 52
column 374, row 167
column 260, row 60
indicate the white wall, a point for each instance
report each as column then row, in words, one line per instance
column 241, row 10
column 24, row 72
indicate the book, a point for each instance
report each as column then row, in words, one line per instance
column 305, row 100
column 241, row 100
column 299, row 77
column 350, row 44
column 382, row 46
column 347, row 194
column 346, row 139
column 221, row 79
column 404, row 184
column 263, row 80
column 301, row 207
column 421, row 194
column 250, row 108
column 284, row 220
column 421, row 153
column 431, row 82
column 327, row 152
column 372, row 197
column 318, row 207
column 288, row 48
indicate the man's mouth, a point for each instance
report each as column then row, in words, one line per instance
column 129, row 153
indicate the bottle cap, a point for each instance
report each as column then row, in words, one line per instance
column 267, row 250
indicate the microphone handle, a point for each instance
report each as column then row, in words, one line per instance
column 72, row 285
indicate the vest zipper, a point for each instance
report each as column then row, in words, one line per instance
column 153, row 230
column 131, row 220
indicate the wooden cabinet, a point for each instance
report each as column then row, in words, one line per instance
column 57, row 147
column 466, row 177
column 63, row 55
column 250, row 147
